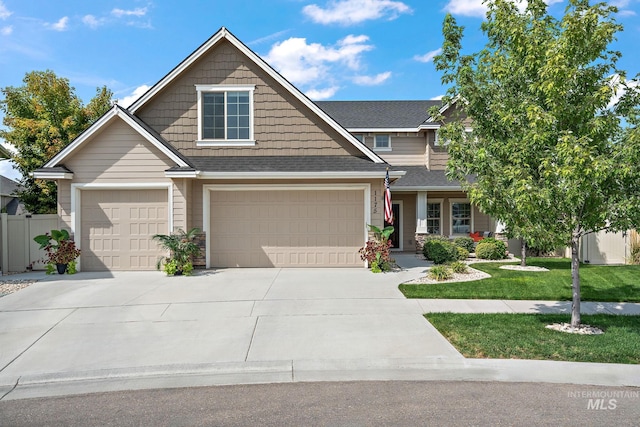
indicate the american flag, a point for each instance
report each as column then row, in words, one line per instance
column 388, row 211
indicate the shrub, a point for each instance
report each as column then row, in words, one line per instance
column 491, row 248
column 465, row 242
column 459, row 267
column 182, row 248
column 440, row 273
column 440, row 251
column 377, row 252
column 634, row 256
column 462, row 253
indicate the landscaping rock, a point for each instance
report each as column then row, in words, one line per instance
column 582, row 329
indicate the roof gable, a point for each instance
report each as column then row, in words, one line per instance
column 135, row 123
column 224, row 35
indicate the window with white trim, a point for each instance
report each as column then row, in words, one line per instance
column 439, row 141
column 359, row 137
column 382, row 142
column 461, row 218
column 434, row 218
column 225, row 115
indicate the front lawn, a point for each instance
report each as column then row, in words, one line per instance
column 524, row 336
column 597, row 282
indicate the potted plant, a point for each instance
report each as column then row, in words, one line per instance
column 182, row 248
column 377, row 251
column 61, row 251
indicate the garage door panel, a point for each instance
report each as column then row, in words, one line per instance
column 117, row 227
column 297, row 228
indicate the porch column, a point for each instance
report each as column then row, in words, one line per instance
column 421, row 219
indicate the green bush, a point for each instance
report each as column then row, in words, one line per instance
column 459, row 267
column 465, row 242
column 490, row 248
column 440, row 273
column 462, row 253
column 440, row 251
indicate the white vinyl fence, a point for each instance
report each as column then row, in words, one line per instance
column 18, row 250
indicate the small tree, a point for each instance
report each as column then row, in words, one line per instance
column 554, row 159
column 42, row 117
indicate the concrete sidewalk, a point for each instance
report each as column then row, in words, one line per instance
column 114, row 331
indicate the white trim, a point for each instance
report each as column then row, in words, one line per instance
column 385, row 130
column 429, row 126
column 52, row 175
column 225, row 142
column 201, row 142
column 208, row 188
column 444, row 108
column 223, row 33
column 401, row 228
column 76, row 203
column 181, row 174
column 411, row 189
column 471, row 225
column 306, row 175
column 105, row 119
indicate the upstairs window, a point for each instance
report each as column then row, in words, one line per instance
column 225, row 115
column 382, row 143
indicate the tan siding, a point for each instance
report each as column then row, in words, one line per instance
column 180, row 203
column 118, row 154
column 64, row 204
column 282, row 124
column 437, row 155
column 481, row 222
column 406, row 149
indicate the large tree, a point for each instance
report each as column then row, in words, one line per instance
column 555, row 157
column 42, row 117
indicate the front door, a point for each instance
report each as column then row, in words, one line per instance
column 395, row 237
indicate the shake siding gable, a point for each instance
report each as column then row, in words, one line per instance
column 282, row 124
column 118, row 154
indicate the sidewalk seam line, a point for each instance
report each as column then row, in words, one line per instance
column 253, row 334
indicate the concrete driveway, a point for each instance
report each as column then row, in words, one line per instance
column 110, row 325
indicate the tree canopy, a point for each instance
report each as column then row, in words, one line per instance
column 42, row 117
column 554, row 155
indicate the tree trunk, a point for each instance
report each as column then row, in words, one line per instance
column 575, row 281
column 523, row 252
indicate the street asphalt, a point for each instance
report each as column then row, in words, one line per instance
column 96, row 332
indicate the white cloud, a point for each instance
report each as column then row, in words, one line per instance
column 477, row 8
column 320, row 94
column 130, row 99
column 5, row 31
column 346, row 12
column 372, row 80
column 61, row 25
column 91, row 21
column 268, row 38
column 437, row 98
column 428, row 57
column 303, row 63
column 4, row 12
column 119, row 13
column 619, row 88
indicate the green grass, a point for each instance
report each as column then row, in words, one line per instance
column 597, row 282
column 524, row 336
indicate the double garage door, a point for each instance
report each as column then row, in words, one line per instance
column 257, row 228
column 286, row 228
column 117, row 227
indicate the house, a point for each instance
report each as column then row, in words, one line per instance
column 9, row 202
column 424, row 201
column 226, row 144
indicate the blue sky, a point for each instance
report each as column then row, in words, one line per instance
column 330, row 49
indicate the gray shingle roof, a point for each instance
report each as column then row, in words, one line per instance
column 286, row 164
column 420, row 176
column 378, row 114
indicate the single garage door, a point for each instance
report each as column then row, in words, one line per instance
column 287, row 228
column 117, row 226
